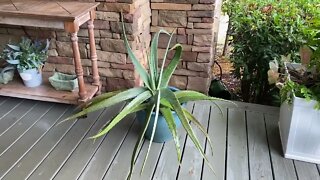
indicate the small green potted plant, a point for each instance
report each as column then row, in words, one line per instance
column 156, row 98
column 28, row 57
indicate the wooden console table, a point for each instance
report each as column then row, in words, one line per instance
column 59, row 15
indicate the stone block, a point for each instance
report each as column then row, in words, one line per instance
column 204, row 57
column 113, row 45
column 128, row 74
column 65, row 49
column 198, row 84
column 60, row 60
column 171, row 6
column 202, row 40
column 203, row 7
column 116, row 7
column 199, row 31
column 111, row 57
column 108, row 16
column 200, row 13
column 173, row 18
column 118, row 83
column 200, row 67
column 108, row 72
column 203, row 25
column 179, row 82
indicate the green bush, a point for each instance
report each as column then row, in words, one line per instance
column 263, row 30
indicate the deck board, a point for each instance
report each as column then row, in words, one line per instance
column 259, row 159
column 237, row 157
column 245, row 138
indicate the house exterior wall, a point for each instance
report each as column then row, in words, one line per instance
column 191, row 21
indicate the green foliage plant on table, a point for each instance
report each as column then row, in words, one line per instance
column 263, row 30
column 27, row 54
column 300, row 80
column 155, row 96
column 28, row 57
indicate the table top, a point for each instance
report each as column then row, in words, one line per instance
column 48, row 9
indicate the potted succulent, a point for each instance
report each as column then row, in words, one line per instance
column 160, row 102
column 299, row 121
column 28, row 57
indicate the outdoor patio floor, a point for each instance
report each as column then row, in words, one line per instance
column 246, row 145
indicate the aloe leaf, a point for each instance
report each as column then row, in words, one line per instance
column 170, row 96
column 187, row 95
column 141, row 107
column 140, row 69
column 124, row 112
column 13, row 61
column 120, row 97
column 16, row 48
column 99, row 99
column 140, row 139
column 164, row 60
column 198, row 124
column 167, row 114
column 153, row 61
column 157, row 110
column 167, row 73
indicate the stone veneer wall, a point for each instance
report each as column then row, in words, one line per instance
column 192, row 21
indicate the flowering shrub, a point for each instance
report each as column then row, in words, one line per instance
column 263, row 30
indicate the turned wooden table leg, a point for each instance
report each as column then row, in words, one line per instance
column 78, row 67
column 94, row 58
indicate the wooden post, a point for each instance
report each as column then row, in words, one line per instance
column 78, row 67
column 93, row 53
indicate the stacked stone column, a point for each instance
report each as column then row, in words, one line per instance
column 192, row 23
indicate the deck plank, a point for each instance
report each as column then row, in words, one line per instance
column 15, row 115
column 306, row 171
column 237, row 157
column 18, row 130
column 168, row 165
column 283, row 169
column 103, row 157
column 191, row 166
column 151, row 163
column 218, row 133
column 80, row 158
column 121, row 164
column 60, row 154
column 259, row 159
column 40, row 151
column 30, row 138
column 8, row 105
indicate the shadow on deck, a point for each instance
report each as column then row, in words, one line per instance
column 246, row 145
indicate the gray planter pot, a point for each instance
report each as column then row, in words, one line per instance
column 31, row 77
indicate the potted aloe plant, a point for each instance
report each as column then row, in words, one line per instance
column 28, row 57
column 156, row 98
column 299, row 121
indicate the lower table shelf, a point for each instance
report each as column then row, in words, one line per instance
column 44, row 92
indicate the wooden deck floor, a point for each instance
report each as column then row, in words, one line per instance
column 246, row 146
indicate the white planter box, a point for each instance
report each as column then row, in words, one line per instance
column 299, row 126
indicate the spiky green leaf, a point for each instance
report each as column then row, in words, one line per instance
column 167, row 73
column 157, row 110
column 120, row 97
column 167, row 114
column 171, row 97
column 199, row 126
column 140, row 69
column 140, row 139
column 125, row 111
